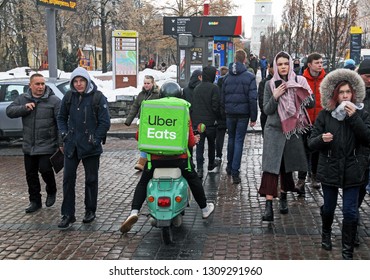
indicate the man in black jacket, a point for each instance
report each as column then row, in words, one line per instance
column 38, row 108
column 206, row 109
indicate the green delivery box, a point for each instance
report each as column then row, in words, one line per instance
column 164, row 126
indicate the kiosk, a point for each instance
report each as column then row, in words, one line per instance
column 195, row 41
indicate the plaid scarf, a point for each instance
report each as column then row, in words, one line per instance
column 292, row 111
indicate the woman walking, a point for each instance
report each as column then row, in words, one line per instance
column 285, row 97
column 342, row 135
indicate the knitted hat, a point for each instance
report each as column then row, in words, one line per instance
column 364, row 67
column 349, row 62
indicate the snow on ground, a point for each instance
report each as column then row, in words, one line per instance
column 106, row 86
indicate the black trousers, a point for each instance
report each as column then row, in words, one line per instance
column 34, row 165
column 91, row 166
column 195, row 183
column 210, row 135
column 220, row 138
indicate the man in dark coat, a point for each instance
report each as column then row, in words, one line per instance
column 83, row 132
column 195, row 79
column 38, row 108
column 261, row 89
column 239, row 100
column 206, row 110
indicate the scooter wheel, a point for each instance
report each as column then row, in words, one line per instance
column 167, row 235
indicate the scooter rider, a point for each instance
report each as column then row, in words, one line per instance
column 169, row 89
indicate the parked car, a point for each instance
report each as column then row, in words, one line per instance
column 9, row 90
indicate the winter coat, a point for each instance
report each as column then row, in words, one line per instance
column 314, row 83
column 263, row 63
column 239, row 93
column 82, row 130
column 276, row 146
column 143, row 95
column 189, row 90
column 40, row 130
column 206, row 100
column 344, row 161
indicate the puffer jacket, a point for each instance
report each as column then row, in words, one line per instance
column 143, row 95
column 239, row 92
column 344, row 161
column 40, row 130
column 83, row 131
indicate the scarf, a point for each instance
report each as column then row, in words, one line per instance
column 292, row 104
column 292, row 111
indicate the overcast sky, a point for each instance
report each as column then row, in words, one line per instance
column 246, row 10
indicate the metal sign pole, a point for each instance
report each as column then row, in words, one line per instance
column 52, row 42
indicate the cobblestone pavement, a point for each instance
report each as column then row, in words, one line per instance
column 235, row 230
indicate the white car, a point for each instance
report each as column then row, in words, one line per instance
column 9, row 90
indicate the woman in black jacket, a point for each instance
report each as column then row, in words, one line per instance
column 342, row 135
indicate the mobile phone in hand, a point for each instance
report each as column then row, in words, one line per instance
column 278, row 83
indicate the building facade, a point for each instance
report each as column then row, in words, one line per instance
column 262, row 19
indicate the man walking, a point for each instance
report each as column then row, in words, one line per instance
column 206, row 110
column 314, row 74
column 83, row 121
column 38, row 108
column 239, row 99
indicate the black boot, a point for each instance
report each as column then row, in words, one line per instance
column 327, row 221
column 269, row 213
column 349, row 230
column 283, row 204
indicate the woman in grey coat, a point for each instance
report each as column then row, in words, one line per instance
column 342, row 136
column 286, row 97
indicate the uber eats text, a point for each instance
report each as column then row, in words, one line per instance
column 161, row 133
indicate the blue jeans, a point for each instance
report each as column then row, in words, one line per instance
column 236, row 129
column 350, row 202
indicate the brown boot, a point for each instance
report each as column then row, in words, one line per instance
column 140, row 164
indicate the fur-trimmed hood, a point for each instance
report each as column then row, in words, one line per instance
column 332, row 79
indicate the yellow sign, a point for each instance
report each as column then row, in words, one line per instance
column 355, row 30
column 59, row 4
column 125, row 33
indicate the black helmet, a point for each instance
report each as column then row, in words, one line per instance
column 170, row 89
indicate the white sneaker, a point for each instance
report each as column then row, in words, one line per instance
column 129, row 223
column 208, row 210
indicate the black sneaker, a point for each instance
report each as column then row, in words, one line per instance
column 89, row 217
column 50, row 200
column 228, row 171
column 66, row 222
column 33, row 207
column 236, row 180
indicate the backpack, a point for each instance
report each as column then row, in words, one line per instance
column 97, row 95
column 164, row 126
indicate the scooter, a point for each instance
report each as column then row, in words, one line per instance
column 168, row 195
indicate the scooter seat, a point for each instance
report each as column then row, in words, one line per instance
column 167, row 173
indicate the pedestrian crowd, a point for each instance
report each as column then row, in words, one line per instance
column 313, row 123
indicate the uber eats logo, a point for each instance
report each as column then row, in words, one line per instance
column 160, row 130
